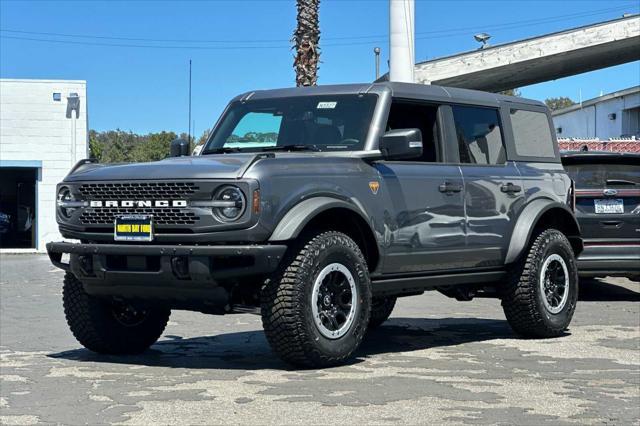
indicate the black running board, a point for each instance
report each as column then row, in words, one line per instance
column 382, row 285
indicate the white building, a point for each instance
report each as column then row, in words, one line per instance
column 615, row 115
column 43, row 133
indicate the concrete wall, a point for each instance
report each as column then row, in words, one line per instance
column 593, row 121
column 537, row 59
column 34, row 128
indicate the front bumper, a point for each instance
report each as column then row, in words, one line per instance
column 599, row 259
column 174, row 273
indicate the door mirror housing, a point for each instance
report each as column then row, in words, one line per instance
column 401, row 144
column 179, row 148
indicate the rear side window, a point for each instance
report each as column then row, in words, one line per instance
column 605, row 175
column 532, row 134
column 479, row 135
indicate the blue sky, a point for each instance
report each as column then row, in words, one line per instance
column 145, row 88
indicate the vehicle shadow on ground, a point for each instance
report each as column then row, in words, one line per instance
column 249, row 350
column 596, row 290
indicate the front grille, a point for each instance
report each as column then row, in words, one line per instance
column 161, row 216
column 137, row 191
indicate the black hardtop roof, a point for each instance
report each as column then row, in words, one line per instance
column 400, row 90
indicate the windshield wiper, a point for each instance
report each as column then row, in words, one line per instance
column 620, row 182
column 222, row 150
column 295, row 147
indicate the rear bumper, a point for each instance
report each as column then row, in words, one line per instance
column 175, row 273
column 609, row 260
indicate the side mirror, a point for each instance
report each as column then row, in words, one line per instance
column 401, row 144
column 179, row 148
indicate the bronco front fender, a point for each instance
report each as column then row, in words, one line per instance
column 302, row 213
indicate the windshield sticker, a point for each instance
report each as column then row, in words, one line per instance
column 326, row 105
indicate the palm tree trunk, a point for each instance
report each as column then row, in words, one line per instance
column 306, row 38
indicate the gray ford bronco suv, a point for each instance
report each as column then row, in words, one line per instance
column 318, row 207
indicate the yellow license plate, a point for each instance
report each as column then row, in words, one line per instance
column 133, row 228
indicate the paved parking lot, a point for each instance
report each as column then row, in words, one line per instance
column 435, row 361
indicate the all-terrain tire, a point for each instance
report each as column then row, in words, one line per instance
column 523, row 297
column 381, row 308
column 98, row 324
column 286, row 302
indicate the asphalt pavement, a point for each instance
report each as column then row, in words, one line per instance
column 436, row 361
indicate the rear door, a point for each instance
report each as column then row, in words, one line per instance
column 493, row 192
column 607, row 195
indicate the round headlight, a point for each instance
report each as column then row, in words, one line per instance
column 233, row 203
column 64, row 198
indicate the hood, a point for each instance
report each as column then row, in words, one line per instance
column 223, row 166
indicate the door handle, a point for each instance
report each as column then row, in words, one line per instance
column 614, row 223
column 449, row 188
column 510, row 188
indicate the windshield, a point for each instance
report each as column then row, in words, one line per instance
column 314, row 123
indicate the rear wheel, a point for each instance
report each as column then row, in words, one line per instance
column 315, row 312
column 381, row 308
column 541, row 295
column 108, row 326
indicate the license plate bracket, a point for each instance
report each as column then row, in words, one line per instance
column 133, row 228
column 608, row 206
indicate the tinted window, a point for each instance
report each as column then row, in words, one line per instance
column 532, row 134
column 479, row 135
column 326, row 123
column 603, row 174
column 413, row 115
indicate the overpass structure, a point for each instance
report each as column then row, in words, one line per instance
column 534, row 60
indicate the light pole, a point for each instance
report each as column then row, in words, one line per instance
column 401, row 40
column 189, row 129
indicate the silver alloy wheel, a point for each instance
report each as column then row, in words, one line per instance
column 334, row 300
column 554, row 283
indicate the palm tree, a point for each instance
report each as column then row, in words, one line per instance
column 306, row 38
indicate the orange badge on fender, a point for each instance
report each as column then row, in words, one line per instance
column 374, row 186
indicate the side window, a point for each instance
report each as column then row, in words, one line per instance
column 532, row 134
column 415, row 115
column 479, row 135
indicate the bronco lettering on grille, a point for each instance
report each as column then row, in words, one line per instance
column 138, row 203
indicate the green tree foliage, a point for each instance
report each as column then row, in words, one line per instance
column 511, row 92
column 153, row 147
column 559, row 103
column 203, row 138
column 118, row 146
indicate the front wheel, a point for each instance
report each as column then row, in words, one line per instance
column 381, row 308
column 315, row 312
column 541, row 295
column 107, row 326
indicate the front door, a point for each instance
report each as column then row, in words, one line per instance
column 425, row 215
column 424, row 218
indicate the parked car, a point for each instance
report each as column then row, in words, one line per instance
column 608, row 210
column 318, row 207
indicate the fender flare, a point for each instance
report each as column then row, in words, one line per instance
column 294, row 221
column 526, row 223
